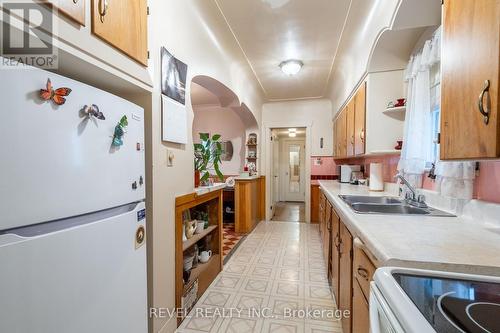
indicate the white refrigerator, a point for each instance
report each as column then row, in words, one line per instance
column 72, row 211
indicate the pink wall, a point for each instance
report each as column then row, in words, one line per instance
column 227, row 123
column 326, row 168
column 488, row 182
column 486, row 186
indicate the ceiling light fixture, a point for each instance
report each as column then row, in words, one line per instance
column 292, row 132
column 291, row 67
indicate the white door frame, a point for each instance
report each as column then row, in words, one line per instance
column 284, row 165
column 265, row 152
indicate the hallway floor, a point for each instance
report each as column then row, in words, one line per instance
column 277, row 270
column 289, row 212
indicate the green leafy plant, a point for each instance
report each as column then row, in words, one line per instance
column 207, row 156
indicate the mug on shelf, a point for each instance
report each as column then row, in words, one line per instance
column 205, row 256
column 199, row 227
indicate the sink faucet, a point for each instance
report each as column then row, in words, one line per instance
column 411, row 197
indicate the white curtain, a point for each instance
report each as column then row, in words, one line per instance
column 454, row 179
column 417, row 141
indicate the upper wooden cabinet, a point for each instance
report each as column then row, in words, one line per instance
column 342, row 133
column 350, row 116
column 74, row 9
column 359, row 120
column 368, row 129
column 122, row 24
column 470, row 126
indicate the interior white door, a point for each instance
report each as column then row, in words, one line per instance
column 293, row 162
column 275, row 170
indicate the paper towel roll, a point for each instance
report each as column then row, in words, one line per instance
column 376, row 178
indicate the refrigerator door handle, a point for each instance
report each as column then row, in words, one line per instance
column 15, row 235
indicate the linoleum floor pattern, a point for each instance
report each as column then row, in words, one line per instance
column 276, row 271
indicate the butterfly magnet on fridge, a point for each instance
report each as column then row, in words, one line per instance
column 57, row 96
column 92, row 111
column 119, row 132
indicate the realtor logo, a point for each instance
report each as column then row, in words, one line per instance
column 27, row 35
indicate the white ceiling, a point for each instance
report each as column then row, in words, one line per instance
column 270, row 31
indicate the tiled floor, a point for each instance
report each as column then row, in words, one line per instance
column 289, row 212
column 229, row 239
column 277, row 269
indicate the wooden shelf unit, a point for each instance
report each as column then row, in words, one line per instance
column 196, row 237
column 205, row 273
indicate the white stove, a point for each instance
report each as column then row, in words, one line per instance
column 421, row 301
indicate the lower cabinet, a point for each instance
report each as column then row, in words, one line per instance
column 315, row 203
column 345, row 279
column 333, row 274
column 360, row 310
column 350, row 268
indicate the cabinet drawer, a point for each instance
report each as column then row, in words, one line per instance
column 363, row 270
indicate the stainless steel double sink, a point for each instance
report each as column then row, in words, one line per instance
column 388, row 206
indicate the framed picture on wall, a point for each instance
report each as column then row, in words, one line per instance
column 173, row 77
column 173, row 99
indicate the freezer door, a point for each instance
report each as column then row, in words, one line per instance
column 56, row 163
column 90, row 277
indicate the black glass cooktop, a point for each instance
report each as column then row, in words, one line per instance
column 454, row 306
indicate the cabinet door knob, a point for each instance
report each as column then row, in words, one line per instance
column 362, row 135
column 363, row 273
column 485, row 113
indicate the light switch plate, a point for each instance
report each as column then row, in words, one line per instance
column 170, row 158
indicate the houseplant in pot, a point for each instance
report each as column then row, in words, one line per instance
column 207, row 155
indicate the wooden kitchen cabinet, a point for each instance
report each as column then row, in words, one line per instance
column 349, row 127
column 315, row 190
column 345, row 293
column 334, row 272
column 360, row 311
column 73, row 9
column 350, row 116
column 326, row 236
column 342, row 134
column 359, row 120
column 470, row 69
column 123, row 24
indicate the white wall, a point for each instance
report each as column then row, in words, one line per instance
column 196, row 33
column 227, row 123
column 383, row 130
column 366, row 22
column 315, row 111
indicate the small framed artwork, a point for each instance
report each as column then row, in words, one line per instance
column 173, row 99
column 173, row 77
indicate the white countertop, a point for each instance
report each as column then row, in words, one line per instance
column 459, row 244
column 206, row 189
column 246, row 177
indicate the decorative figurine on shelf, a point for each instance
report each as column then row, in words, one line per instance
column 92, row 111
column 57, row 96
column 190, row 228
column 400, row 102
column 252, row 139
column 119, row 131
column 399, row 146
